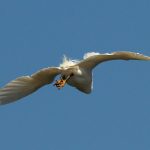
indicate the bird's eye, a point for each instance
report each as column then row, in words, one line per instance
column 63, row 77
column 72, row 74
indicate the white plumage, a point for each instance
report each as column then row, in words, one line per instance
column 73, row 72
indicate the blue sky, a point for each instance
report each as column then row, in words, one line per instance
column 116, row 115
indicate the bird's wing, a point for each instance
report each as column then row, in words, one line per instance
column 26, row 85
column 94, row 60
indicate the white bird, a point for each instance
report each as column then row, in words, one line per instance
column 75, row 73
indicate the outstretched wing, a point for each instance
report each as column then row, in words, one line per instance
column 94, row 60
column 26, row 85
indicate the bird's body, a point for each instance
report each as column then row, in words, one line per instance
column 75, row 73
column 81, row 79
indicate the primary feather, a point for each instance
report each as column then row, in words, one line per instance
column 94, row 59
column 26, row 85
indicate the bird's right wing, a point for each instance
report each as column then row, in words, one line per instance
column 26, row 85
column 94, row 60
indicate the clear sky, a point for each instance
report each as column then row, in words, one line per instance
column 116, row 115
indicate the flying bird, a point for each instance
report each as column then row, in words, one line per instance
column 72, row 72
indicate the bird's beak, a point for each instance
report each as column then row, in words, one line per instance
column 61, row 83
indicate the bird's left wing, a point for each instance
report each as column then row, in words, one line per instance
column 26, row 85
column 94, row 60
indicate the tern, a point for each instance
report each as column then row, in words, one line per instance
column 72, row 72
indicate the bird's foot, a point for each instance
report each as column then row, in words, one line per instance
column 61, row 83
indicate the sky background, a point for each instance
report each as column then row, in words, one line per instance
column 116, row 115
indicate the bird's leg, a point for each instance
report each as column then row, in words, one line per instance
column 61, row 83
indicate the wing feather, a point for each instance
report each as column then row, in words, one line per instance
column 26, row 85
column 94, row 60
